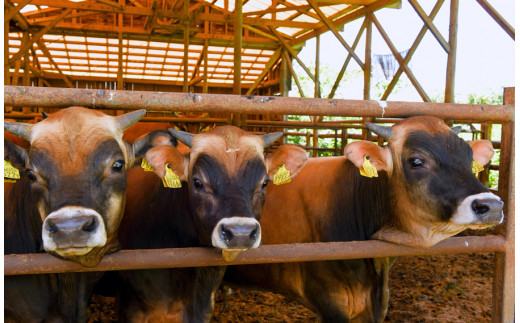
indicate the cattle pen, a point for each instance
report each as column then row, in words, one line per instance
column 500, row 242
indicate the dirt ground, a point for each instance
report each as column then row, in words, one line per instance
column 453, row 288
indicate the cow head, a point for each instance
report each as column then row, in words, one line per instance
column 227, row 174
column 76, row 165
column 433, row 192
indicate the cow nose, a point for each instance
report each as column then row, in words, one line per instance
column 488, row 210
column 237, row 233
column 72, row 229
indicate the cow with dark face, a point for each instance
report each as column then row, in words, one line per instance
column 223, row 190
column 68, row 201
column 425, row 192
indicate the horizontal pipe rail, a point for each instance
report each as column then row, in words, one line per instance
column 198, row 257
column 21, row 96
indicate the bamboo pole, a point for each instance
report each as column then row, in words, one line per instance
column 293, row 73
column 186, row 44
column 368, row 61
column 449, row 94
column 429, row 22
column 510, row 30
column 347, row 61
column 399, row 58
column 412, row 50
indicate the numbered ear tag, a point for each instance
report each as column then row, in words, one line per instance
column 11, row 174
column 147, row 167
column 170, row 179
column 476, row 167
column 368, row 170
column 282, row 176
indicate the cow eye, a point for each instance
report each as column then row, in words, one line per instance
column 197, row 183
column 31, row 176
column 264, row 184
column 416, row 162
column 118, row 166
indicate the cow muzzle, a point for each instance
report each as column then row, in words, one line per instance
column 73, row 231
column 236, row 233
column 479, row 210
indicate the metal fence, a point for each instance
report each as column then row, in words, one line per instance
column 501, row 242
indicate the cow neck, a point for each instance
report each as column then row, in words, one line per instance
column 23, row 225
column 161, row 220
column 359, row 205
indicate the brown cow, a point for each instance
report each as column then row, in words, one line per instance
column 425, row 192
column 68, row 201
column 222, row 194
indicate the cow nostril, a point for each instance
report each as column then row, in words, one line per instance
column 479, row 208
column 254, row 234
column 90, row 225
column 51, row 227
column 225, row 233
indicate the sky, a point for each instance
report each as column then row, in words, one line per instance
column 485, row 52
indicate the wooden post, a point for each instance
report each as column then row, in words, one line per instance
column 237, row 73
column 186, row 43
column 368, row 61
column 7, row 78
column 504, row 268
column 206, row 31
column 120, row 63
column 449, row 95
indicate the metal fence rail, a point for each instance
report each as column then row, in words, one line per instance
column 501, row 244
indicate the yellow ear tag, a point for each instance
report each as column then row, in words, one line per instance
column 170, row 179
column 282, row 176
column 476, row 167
column 11, row 174
column 368, row 170
column 147, row 167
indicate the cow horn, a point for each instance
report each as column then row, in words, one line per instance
column 184, row 137
column 456, row 129
column 270, row 138
column 20, row 129
column 126, row 120
column 384, row 132
column 45, row 115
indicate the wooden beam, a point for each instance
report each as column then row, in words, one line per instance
column 293, row 73
column 368, row 62
column 206, row 30
column 186, row 44
column 429, row 22
column 150, row 20
column 39, row 74
column 237, row 49
column 12, row 12
column 260, row 32
column 347, row 61
column 317, row 92
column 399, row 58
column 510, row 30
column 449, row 94
column 20, row 19
column 47, row 54
column 112, row 4
column 411, row 51
column 293, row 54
column 39, row 35
column 7, row 77
column 355, row 14
column 120, row 85
column 332, row 28
column 268, row 66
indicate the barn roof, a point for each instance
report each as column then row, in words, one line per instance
column 84, row 39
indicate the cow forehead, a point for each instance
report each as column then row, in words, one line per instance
column 426, row 124
column 71, row 134
column 229, row 145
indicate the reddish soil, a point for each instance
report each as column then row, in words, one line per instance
column 453, row 288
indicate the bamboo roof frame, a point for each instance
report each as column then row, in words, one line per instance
column 199, row 42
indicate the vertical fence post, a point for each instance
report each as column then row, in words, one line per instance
column 504, row 267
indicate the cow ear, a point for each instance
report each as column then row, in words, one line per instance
column 15, row 154
column 293, row 157
column 161, row 156
column 380, row 157
column 482, row 151
column 155, row 138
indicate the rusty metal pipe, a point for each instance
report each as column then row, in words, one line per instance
column 21, row 96
column 198, row 257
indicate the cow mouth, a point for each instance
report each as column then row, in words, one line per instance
column 73, row 251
